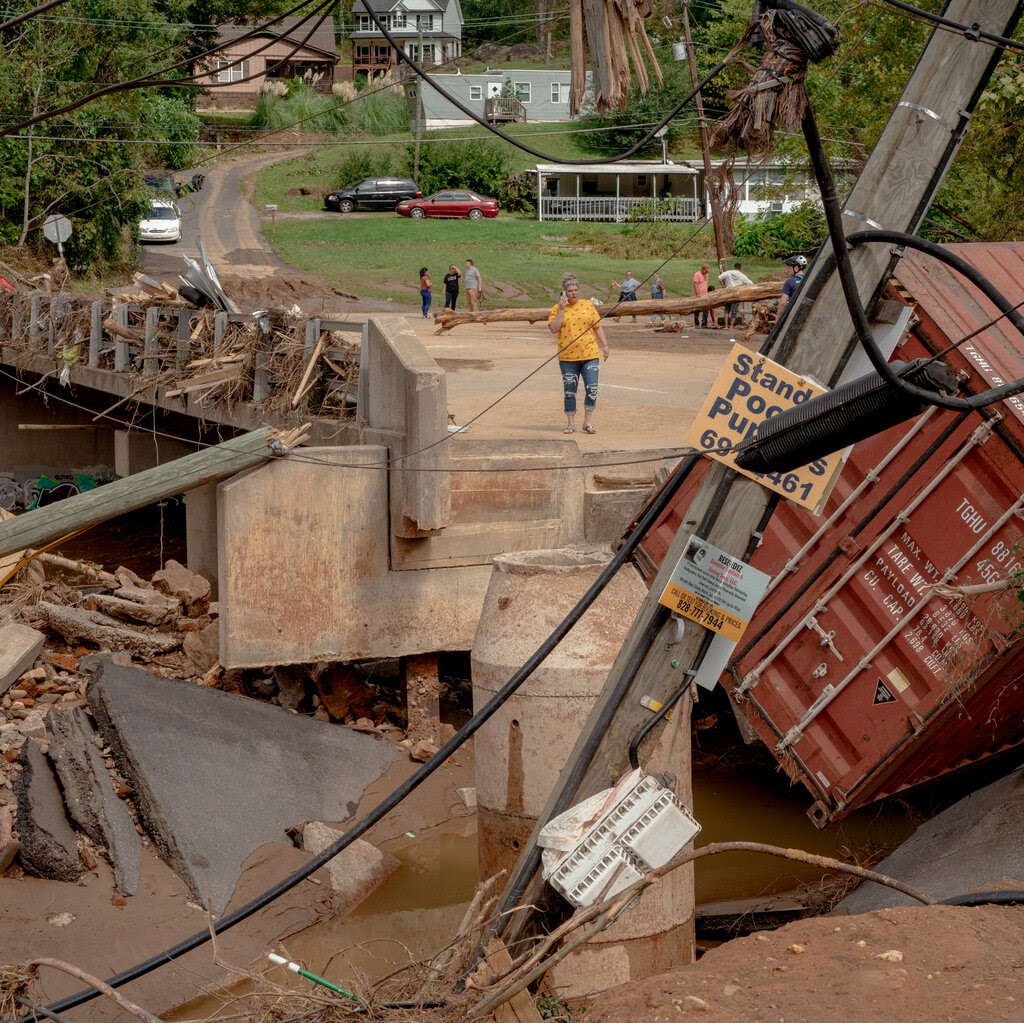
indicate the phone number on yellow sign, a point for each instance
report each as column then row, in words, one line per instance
column 702, row 612
column 788, row 483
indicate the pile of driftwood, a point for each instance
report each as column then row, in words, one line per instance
column 278, row 359
column 648, row 307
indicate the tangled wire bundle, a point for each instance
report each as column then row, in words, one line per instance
column 776, row 88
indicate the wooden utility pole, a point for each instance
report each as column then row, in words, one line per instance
column 421, row 113
column 900, row 177
column 705, row 148
column 43, row 525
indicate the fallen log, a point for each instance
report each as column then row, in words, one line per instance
column 648, row 307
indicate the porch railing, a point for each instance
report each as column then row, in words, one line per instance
column 610, row 208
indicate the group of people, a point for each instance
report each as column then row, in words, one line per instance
column 582, row 344
column 471, row 281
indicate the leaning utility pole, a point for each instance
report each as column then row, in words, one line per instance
column 705, row 148
column 900, row 178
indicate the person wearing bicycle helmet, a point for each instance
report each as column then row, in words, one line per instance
column 797, row 265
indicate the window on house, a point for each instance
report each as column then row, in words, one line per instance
column 559, row 92
column 522, row 91
column 641, row 181
column 425, row 22
column 476, row 92
column 227, row 71
column 364, row 23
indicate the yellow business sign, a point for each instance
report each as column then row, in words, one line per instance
column 749, row 390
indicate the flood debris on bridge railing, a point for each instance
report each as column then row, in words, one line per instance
column 276, row 358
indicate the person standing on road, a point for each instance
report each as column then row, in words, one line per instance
column 797, row 265
column 734, row 278
column 425, row 287
column 451, row 286
column 581, row 344
column 700, row 288
column 627, row 289
column 474, row 286
column 657, row 292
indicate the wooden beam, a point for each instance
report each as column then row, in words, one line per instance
column 646, row 307
column 729, row 509
column 41, row 526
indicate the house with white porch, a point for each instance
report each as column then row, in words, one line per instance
column 663, row 190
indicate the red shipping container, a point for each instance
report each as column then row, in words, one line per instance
column 861, row 676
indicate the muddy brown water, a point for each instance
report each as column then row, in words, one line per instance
column 409, row 915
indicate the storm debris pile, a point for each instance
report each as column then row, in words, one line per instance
column 209, row 359
column 66, row 800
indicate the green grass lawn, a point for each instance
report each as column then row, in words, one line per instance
column 522, row 260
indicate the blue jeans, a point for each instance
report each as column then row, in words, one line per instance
column 571, row 373
column 449, row 299
column 425, row 295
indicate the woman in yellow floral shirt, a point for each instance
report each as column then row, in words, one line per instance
column 581, row 343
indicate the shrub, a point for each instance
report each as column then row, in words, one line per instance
column 781, row 234
column 380, row 163
column 518, row 193
column 476, row 165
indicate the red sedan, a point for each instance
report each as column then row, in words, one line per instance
column 449, row 204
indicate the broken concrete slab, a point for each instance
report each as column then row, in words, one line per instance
column 192, row 590
column 75, row 624
column 49, row 847
column 150, row 612
column 19, row 648
column 355, row 872
column 202, row 647
column 89, row 795
column 217, row 775
column 974, row 844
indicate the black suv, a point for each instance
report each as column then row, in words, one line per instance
column 372, row 194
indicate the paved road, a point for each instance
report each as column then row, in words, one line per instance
column 228, row 224
column 650, row 388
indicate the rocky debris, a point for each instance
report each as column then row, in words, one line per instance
column 130, row 609
column 202, row 646
column 90, row 797
column 523, row 51
column 9, row 845
column 49, row 847
column 355, row 872
column 343, row 692
column 19, row 648
column 75, row 624
column 423, row 750
column 193, row 591
column 291, row 686
column 218, row 775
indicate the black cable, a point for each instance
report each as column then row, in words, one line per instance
column 32, row 13
column 474, row 116
column 973, row 32
column 998, row 897
column 650, row 516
